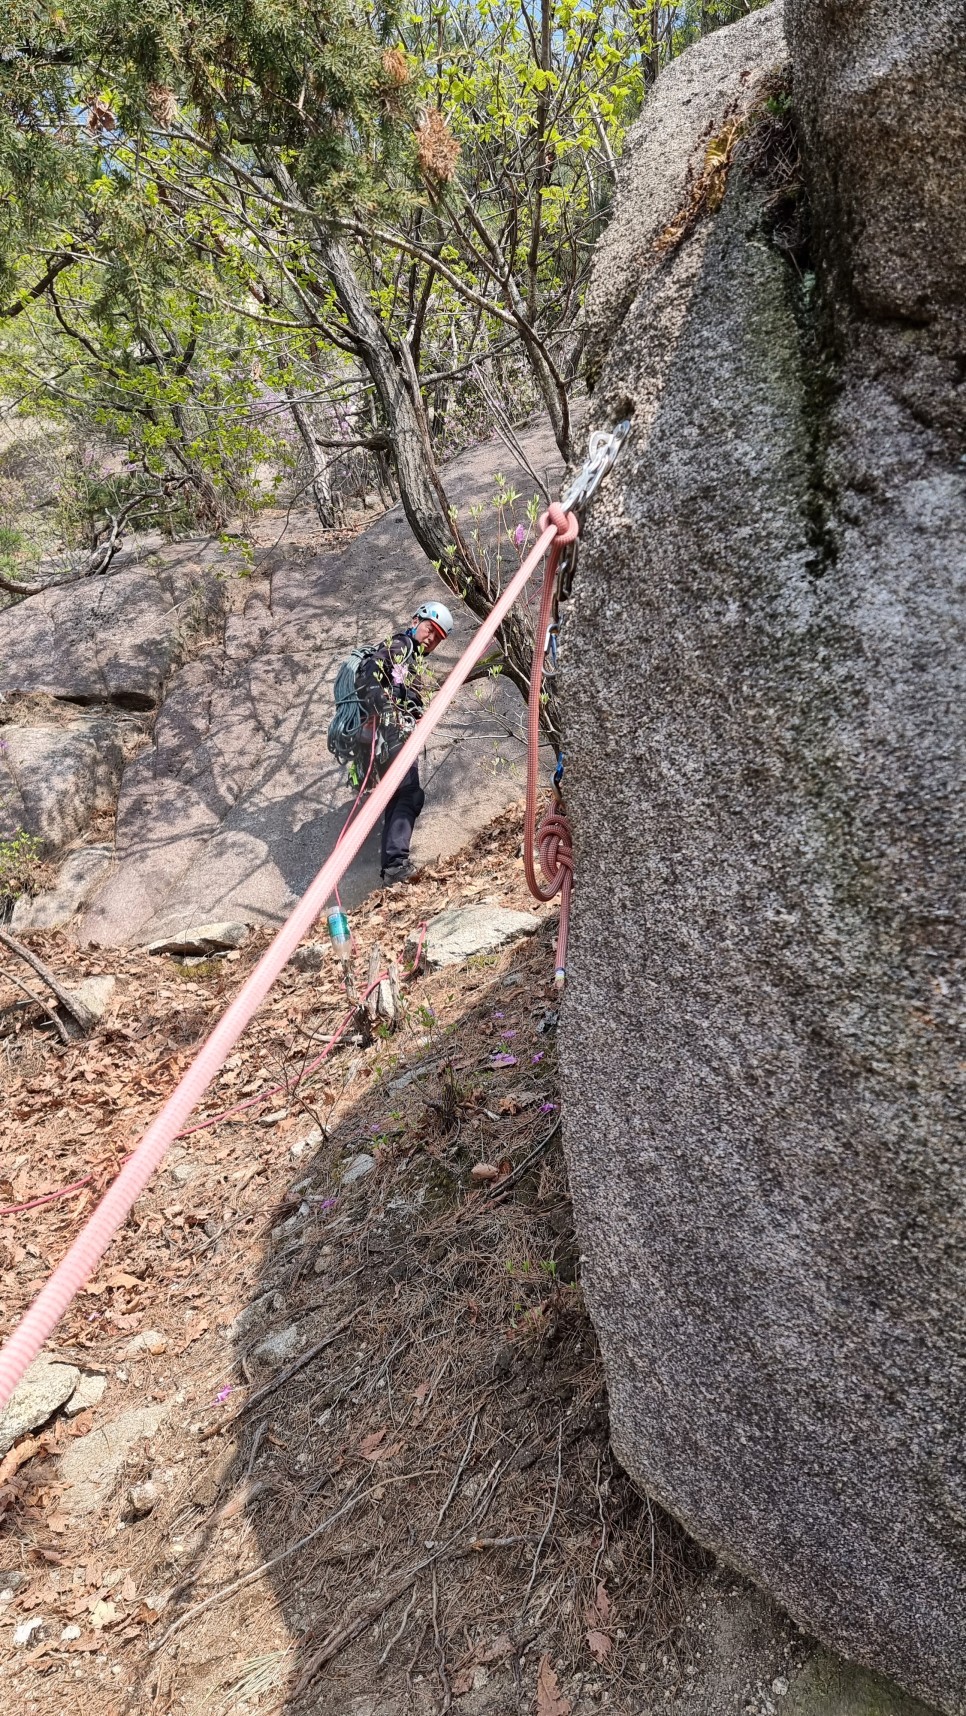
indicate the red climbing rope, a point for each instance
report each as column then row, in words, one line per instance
column 83, row 1256
column 552, row 839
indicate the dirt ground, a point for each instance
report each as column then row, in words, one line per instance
column 376, row 1480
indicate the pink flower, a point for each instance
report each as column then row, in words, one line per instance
column 520, row 535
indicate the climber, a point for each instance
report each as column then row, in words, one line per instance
column 387, row 685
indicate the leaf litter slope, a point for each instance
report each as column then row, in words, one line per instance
column 381, row 1480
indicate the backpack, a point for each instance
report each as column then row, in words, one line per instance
column 350, row 712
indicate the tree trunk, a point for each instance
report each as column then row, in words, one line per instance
column 320, row 484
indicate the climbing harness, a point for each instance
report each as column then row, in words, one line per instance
column 557, row 525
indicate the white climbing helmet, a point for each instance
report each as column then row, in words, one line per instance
column 437, row 614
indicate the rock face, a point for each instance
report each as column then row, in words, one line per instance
column 763, row 683
column 81, row 872
column 115, row 639
column 231, row 810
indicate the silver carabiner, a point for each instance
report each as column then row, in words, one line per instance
column 602, row 452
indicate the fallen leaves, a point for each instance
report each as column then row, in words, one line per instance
column 599, row 1617
column 374, row 1447
column 550, row 1699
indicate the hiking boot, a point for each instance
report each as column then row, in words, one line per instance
column 398, row 872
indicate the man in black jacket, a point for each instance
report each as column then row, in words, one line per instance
column 388, row 686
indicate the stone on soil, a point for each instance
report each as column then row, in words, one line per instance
column 466, row 932
column 88, row 1393
column 46, row 1386
column 91, row 1466
column 357, row 1168
column 202, row 939
column 94, row 993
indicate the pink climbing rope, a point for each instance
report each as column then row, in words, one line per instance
column 80, row 1261
column 553, row 838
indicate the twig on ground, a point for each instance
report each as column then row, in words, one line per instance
column 397, row 1635
column 283, row 1376
column 38, row 1001
column 459, row 1472
column 257, row 1440
column 550, row 1520
column 257, row 1572
column 603, row 1528
column 447, row 1703
column 412, row 1664
column 501, row 1187
column 83, row 1015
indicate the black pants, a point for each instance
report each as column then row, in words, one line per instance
column 400, row 819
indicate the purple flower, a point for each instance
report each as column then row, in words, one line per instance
column 504, row 1060
column 328, row 1203
column 547, row 1107
column 222, row 1395
column 536, row 1059
column 520, row 535
column 498, row 1015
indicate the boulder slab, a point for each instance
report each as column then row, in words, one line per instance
column 766, row 1137
column 79, row 875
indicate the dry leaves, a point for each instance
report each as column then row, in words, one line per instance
column 374, row 1448
column 550, row 1699
column 599, row 1618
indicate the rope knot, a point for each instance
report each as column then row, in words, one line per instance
column 565, row 523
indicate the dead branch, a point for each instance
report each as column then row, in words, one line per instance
column 547, row 1528
column 459, row 1472
column 283, row 1376
column 227, row 1591
column 38, row 1001
column 81, row 1014
column 447, row 1703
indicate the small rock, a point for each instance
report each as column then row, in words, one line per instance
column 23, row 1634
column 357, row 1168
column 94, row 993
column 45, row 1387
column 310, row 956
column 90, row 1466
column 466, row 932
column 148, row 1341
column 512, row 980
column 311, row 1139
column 182, row 1172
column 88, row 1393
column 72, row 1632
column 143, row 1498
column 202, row 939
column 282, row 1344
